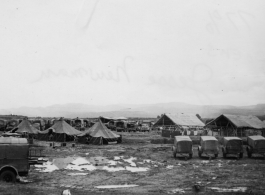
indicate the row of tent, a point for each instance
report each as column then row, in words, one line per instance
column 7, row 123
column 62, row 131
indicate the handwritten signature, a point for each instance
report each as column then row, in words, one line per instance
column 201, row 73
column 115, row 75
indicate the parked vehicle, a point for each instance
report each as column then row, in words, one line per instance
column 182, row 146
column 39, row 124
column 256, row 145
column 209, row 146
column 232, row 145
column 14, row 158
column 111, row 125
column 79, row 124
column 131, row 127
column 144, row 127
column 121, row 126
column 12, row 124
column 3, row 124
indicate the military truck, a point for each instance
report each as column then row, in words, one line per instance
column 14, row 158
column 182, row 146
column 256, row 145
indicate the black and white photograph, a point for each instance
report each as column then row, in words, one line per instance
column 135, row 97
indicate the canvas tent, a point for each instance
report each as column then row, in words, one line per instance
column 61, row 131
column 176, row 124
column 236, row 125
column 99, row 134
column 25, row 127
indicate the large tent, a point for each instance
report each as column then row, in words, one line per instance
column 60, row 131
column 99, row 134
column 25, row 127
column 176, row 124
column 236, row 125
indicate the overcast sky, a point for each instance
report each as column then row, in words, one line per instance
column 137, row 51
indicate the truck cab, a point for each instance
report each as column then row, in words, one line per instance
column 14, row 158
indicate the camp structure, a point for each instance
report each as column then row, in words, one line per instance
column 98, row 134
column 78, row 123
column 3, row 124
column 39, row 123
column 105, row 119
column 179, row 124
column 11, row 124
column 120, row 118
column 237, row 125
column 25, row 127
column 61, row 131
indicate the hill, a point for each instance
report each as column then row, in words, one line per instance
column 130, row 110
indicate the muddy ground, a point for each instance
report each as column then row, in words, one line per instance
column 165, row 175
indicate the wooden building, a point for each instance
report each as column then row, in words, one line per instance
column 237, row 125
column 177, row 124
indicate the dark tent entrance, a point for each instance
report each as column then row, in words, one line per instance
column 56, row 137
column 97, row 140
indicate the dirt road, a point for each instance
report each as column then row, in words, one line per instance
column 149, row 166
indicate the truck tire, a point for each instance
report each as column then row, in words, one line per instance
column 224, row 154
column 241, row 155
column 8, row 176
column 190, row 156
column 216, row 155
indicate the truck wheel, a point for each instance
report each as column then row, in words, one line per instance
column 224, row 154
column 216, row 155
column 8, row 176
column 199, row 154
column 241, row 155
column 190, row 156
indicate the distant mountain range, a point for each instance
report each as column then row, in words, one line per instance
column 129, row 110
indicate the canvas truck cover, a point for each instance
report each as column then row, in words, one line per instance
column 256, row 142
column 14, row 148
column 14, row 152
column 13, row 140
column 181, row 138
column 183, row 144
column 209, row 143
column 233, row 142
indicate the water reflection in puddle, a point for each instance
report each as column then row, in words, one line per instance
column 91, row 164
